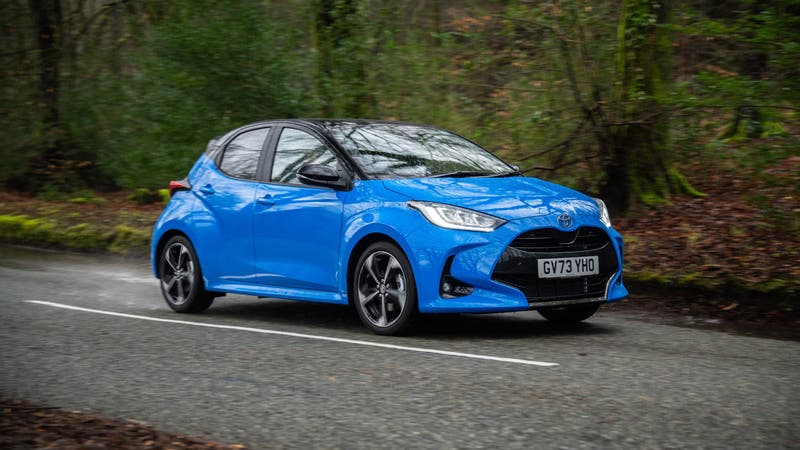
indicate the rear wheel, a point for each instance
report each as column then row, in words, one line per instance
column 181, row 278
column 569, row 314
column 383, row 289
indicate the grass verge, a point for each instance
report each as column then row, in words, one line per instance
column 47, row 232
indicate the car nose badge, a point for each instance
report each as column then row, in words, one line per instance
column 565, row 220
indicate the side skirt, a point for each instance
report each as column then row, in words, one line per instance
column 308, row 295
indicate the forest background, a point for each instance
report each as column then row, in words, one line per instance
column 682, row 115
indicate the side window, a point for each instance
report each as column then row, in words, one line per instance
column 296, row 149
column 240, row 159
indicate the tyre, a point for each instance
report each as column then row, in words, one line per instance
column 569, row 314
column 181, row 277
column 383, row 289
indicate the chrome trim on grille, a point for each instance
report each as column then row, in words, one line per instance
column 608, row 283
column 575, row 301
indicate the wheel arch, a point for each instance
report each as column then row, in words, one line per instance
column 359, row 248
column 159, row 247
column 162, row 241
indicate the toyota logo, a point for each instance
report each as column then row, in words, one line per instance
column 565, row 220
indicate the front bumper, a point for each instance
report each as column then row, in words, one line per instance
column 504, row 278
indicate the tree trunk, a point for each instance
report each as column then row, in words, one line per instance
column 747, row 119
column 47, row 20
column 320, row 41
column 638, row 169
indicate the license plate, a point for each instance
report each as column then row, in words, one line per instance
column 578, row 266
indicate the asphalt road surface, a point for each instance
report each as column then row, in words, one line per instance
column 89, row 332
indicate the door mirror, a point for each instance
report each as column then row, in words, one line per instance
column 321, row 175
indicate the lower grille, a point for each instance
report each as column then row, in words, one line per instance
column 518, row 264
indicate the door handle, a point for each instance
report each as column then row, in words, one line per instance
column 265, row 200
column 207, row 189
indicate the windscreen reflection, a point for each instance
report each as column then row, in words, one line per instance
column 387, row 150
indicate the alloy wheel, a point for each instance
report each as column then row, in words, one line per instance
column 178, row 274
column 382, row 289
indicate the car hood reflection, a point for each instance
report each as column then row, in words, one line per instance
column 507, row 198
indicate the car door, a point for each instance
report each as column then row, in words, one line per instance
column 297, row 227
column 229, row 195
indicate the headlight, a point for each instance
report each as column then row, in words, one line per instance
column 604, row 217
column 455, row 218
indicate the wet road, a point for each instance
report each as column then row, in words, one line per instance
column 273, row 373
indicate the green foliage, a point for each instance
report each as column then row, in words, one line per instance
column 24, row 229
column 205, row 67
column 21, row 131
column 46, row 232
column 341, row 41
column 773, row 290
column 82, row 236
column 145, row 85
column 126, row 239
column 681, row 184
column 748, row 67
column 163, row 195
column 144, row 196
column 85, row 200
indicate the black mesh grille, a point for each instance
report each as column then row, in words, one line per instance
column 549, row 240
column 518, row 265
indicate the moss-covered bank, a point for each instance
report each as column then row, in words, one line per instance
column 48, row 232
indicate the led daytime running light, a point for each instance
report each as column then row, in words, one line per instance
column 456, row 218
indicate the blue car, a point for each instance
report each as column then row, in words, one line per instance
column 394, row 219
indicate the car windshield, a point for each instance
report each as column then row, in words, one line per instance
column 387, row 150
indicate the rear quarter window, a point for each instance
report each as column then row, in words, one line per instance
column 241, row 156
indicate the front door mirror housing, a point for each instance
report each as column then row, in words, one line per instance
column 322, row 175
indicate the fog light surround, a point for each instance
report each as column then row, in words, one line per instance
column 450, row 287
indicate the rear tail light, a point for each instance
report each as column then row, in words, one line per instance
column 182, row 185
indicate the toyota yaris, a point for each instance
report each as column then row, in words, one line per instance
column 395, row 219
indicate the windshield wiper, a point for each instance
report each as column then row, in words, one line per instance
column 515, row 173
column 460, row 174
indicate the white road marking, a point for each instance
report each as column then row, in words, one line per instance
column 303, row 336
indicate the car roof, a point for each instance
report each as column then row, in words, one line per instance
column 324, row 125
column 321, row 125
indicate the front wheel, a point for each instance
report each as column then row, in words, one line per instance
column 569, row 314
column 383, row 289
column 181, row 278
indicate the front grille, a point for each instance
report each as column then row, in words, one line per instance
column 550, row 240
column 518, row 264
